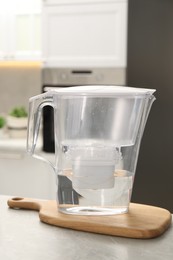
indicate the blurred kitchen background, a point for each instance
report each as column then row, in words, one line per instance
column 59, row 43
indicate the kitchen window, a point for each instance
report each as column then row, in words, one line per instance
column 20, row 30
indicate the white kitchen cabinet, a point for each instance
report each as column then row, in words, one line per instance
column 20, row 30
column 55, row 2
column 84, row 33
column 24, row 176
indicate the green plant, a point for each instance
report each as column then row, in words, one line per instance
column 2, row 121
column 19, row 112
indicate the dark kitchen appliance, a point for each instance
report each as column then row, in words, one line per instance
column 150, row 64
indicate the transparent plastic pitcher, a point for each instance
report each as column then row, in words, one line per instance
column 98, row 130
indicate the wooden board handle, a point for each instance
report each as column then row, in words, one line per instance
column 24, row 203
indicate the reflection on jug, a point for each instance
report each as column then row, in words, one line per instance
column 98, row 130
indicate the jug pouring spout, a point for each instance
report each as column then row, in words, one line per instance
column 148, row 104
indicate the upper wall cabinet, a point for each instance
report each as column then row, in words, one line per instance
column 20, row 29
column 82, row 33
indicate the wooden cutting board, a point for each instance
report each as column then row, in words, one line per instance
column 142, row 221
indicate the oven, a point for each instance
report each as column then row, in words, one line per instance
column 66, row 77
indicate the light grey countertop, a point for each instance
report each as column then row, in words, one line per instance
column 24, row 237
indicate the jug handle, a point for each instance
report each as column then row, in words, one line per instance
column 36, row 105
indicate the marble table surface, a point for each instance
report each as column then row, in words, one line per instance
column 24, row 237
